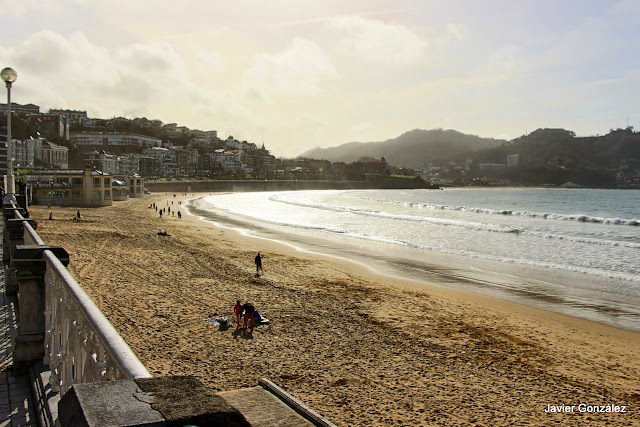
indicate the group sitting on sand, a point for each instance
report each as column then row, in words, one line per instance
column 249, row 315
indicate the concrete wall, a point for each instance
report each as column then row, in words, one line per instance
column 239, row 185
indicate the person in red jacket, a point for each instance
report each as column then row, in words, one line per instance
column 238, row 310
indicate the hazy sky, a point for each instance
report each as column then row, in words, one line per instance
column 296, row 74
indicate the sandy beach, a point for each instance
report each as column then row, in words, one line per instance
column 358, row 347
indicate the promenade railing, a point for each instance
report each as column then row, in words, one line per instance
column 62, row 326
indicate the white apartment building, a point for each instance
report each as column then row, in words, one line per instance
column 206, row 135
column 107, row 163
column 231, row 160
column 54, row 155
column 230, row 142
column 187, row 159
column 27, row 152
column 23, row 152
column 166, row 157
column 115, row 165
column 128, row 165
column 512, row 160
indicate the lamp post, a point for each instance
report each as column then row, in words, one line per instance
column 9, row 76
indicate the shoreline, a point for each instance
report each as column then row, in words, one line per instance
column 350, row 343
column 533, row 286
column 370, row 272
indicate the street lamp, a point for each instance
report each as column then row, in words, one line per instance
column 9, row 76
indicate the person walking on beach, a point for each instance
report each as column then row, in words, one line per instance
column 238, row 310
column 258, row 261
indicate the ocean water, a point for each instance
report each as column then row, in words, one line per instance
column 571, row 251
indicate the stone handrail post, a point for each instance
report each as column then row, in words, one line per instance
column 11, row 211
column 30, row 271
column 15, row 231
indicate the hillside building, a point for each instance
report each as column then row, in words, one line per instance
column 21, row 109
column 74, row 116
column 118, row 143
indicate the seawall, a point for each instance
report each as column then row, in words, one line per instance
column 277, row 185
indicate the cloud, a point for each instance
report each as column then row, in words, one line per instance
column 209, row 59
column 151, row 58
column 297, row 70
column 19, row 9
column 456, row 31
column 377, row 41
column 152, row 80
column 45, row 50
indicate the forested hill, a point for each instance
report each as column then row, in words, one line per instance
column 562, row 148
column 411, row 149
column 556, row 156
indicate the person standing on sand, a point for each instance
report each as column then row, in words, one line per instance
column 258, row 261
column 238, row 310
column 248, row 310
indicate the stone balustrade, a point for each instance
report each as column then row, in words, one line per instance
column 58, row 322
column 81, row 346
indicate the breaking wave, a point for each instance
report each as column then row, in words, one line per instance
column 454, row 223
column 553, row 216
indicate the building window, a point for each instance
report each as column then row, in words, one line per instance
column 76, row 181
column 96, row 182
column 106, row 182
column 106, row 195
column 96, row 195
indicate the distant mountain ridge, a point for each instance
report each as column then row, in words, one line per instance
column 411, row 149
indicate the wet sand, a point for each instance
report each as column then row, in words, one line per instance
column 358, row 347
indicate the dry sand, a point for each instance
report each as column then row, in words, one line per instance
column 359, row 348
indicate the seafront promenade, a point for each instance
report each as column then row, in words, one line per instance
column 62, row 362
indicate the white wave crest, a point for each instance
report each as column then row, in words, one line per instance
column 554, row 216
